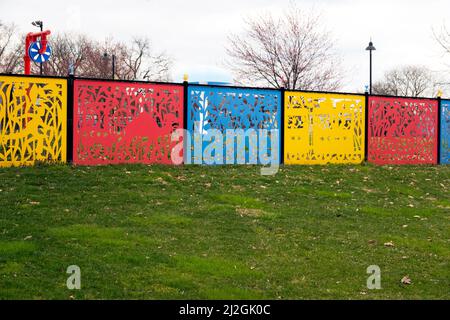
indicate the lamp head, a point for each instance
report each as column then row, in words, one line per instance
column 370, row 47
column 37, row 23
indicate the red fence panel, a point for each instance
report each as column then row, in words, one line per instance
column 125, row 122
column 402, row 130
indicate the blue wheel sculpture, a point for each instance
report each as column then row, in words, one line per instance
column 34, row 54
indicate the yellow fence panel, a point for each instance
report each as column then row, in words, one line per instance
column 33, row 113
column 323, row 128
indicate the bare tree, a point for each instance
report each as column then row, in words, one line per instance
column 86, row 57
column 292, row 51
column 10, row 50
column 142, row 63
column 413, row 81
column 135, row 61
column 443, row 38
column 68, row 51
column 99, row 60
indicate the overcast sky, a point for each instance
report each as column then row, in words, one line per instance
column 194, row 32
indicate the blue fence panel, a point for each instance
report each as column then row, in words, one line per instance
column 212, row 108
column 445, row 132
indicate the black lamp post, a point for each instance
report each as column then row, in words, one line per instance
column 105, row 55
column 39, row 24
column 370, row 48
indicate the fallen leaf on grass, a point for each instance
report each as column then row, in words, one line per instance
column 406, row 280
column 389, row 244
column 161, row 180
column 250, row 212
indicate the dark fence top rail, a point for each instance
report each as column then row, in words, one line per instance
column 231, row 86
column 326, row 92
column 129, row 81
column 214, row 86
column 402, row 97
column 32, row 76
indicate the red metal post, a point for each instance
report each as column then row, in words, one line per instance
column 32, row 37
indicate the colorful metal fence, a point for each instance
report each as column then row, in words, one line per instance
column 227, row 108
column 133, row 122
column 125, row 122
column 323, row 128
column 445, row 132
column 402, row 130
column 32, row 120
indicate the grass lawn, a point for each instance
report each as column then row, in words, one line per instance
column 192, row 232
